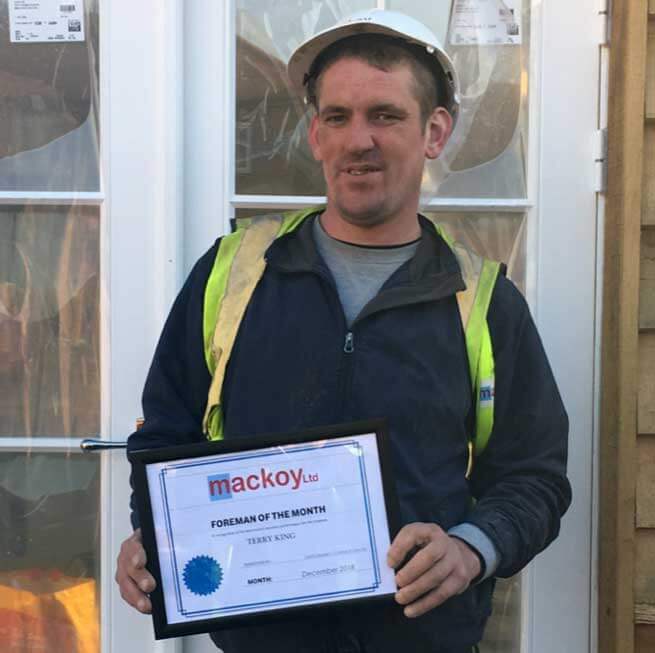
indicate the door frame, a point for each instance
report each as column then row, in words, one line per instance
column 141, row 109
column 167, row 155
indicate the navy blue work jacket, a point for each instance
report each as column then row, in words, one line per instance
column 294, row 366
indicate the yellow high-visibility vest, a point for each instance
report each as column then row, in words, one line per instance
column 240, row 264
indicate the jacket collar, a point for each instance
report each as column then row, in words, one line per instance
column 431, row 274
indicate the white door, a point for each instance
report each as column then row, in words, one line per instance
column 88, row 266
column 517, row 183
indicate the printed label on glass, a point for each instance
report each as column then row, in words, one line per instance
column 42, row 21
column 486, row 22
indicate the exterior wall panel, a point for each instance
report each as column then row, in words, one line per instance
column 644, row 576
column 645, row 639
column 648, row 208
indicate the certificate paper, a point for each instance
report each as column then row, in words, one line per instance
column 255, row 531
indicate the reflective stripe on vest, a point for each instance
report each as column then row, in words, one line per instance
column 238, row 267
column 480, row 276
column 240, row 264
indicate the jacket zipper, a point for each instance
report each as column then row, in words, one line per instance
column 347, row 361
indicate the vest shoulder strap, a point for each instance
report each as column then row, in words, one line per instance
column 238, row 267
column 479, row 351
column 480, row 277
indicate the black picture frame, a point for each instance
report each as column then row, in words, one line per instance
column 142, row 458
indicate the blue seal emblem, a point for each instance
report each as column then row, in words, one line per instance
column 203, row 575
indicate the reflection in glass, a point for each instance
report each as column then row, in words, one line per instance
column 49, row 321
column 486, row 156
column 272, row 155
column 49, row 563
column 503, row 631
column 48, row 111
column 497, row 236
column 500, row 237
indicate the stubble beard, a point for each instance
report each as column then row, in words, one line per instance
column 368, row 218
column 362, row 212
column 372, row 213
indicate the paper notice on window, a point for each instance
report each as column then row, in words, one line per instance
column 486, row 22
column 42, row 21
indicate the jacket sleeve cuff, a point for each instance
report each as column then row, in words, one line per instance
column 482, row 545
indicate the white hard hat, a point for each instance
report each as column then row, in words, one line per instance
column 374, row 21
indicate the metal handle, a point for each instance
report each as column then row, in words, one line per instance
column 91, row 444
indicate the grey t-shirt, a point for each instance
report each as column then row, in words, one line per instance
column 359, row 271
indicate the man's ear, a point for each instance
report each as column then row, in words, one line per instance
column 313, row 138
column 437, row 132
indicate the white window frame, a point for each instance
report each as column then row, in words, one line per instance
column 142, row 110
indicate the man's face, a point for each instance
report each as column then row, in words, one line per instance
column 369, row 137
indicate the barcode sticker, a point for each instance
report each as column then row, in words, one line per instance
column 486, row 22
column 43, row 21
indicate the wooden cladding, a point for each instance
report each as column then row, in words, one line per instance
column 646, row 482
column 650, row 80
column 644, row 639
column 645, row 564
column 648, row 206
column 647, row 279
column 628, row 206
column 646, row 396
column 644, row 577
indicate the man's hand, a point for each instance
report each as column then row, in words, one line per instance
column 442, row 567
column 134, row 580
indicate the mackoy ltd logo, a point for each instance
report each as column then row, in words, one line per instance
column 222, row 486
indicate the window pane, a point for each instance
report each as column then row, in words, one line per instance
column 503, row 631
column 48, row 111
column 49, row 321
column 272, row 156
column 487, row 154
column 498, row 236
column 49, row 567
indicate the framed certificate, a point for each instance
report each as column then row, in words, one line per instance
column 247, row 530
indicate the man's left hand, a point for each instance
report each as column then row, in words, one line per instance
column 442, row 567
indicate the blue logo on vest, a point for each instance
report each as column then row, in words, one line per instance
column 487, row 393
column 203, row 575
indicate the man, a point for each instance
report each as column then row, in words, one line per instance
column 356, row 316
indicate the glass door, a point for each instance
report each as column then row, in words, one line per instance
column 50, row 329
column 477, row 188
column 86, row 277
column 495, row 188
